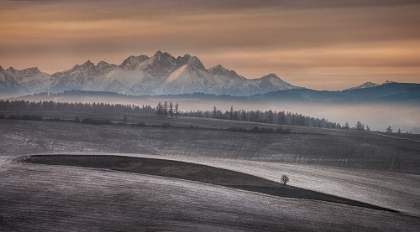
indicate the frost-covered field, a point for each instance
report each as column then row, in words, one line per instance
column 59, row 198
column 339, row 148
column 37, row 197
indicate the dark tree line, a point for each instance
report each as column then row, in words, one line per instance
column 165, row 110
column 268, row 116
column 16, row 106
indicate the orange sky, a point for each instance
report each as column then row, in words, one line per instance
column 316, row 44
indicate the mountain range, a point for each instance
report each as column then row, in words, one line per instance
column 160, row 74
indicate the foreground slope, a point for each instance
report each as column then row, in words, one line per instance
column 262, row 155
column 57, row 198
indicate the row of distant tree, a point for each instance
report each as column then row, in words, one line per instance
column 18, row 106
column 172, row 110
column 165, row 110
column 268, row 116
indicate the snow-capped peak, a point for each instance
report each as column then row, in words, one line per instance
column 364, row 86
column 160, row 74
column 132, row 61
column 270, row 76
column 219, row 69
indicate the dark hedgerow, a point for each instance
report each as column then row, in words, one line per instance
column 24, row 117
column 141, row 124
column 96, row 121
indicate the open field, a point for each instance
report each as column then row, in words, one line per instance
column 193, row 172
column 326, row 161
column 58, row 198
column 339, row 148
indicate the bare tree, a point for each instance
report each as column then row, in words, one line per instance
column 389, row 130
column 284, row 179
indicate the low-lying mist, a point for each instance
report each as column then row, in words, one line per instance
column 378, row 116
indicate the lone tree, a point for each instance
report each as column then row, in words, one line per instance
column 284, row 179
column 389, row 130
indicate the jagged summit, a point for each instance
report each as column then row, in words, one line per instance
column 219, row 69
column 88, row 63
column 1, row 69
column 132, row 61
column 159, row 74
column 269, row 76
column 32, row 70
column 192, row 61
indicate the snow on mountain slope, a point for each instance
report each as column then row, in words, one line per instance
column 140, row 75
column 29, row 80
column 270, row 83
column 364, row 86
column 131, row 62
column 83, row 77
column 189, row 78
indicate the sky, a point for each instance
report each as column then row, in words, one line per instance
column 328, row 44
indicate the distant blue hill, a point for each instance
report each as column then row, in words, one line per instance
column 386, row 93
column 391, row 92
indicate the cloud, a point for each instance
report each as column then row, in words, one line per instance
column 298, row 39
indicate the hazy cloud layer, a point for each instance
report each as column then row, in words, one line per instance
column 318, row 44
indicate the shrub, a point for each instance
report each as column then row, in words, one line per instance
column 166, row 125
